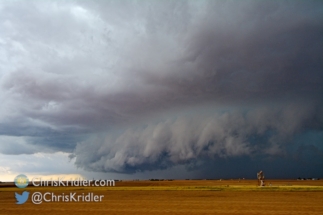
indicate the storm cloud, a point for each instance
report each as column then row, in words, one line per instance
column 132, row 86
column 191, row 138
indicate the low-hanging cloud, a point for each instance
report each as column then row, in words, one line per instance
column 190, row 138
column 133, row 86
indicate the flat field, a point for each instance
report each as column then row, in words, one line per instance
column 178, row 197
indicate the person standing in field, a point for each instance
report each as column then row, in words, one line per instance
column 260, row 177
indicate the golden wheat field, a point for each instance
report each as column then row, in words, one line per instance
column 178, row 197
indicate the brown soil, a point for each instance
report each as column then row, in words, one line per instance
column 155, row 200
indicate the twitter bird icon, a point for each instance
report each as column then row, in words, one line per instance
column 21, row 199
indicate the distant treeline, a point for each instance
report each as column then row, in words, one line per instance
column 155, row 179
column 299, row 178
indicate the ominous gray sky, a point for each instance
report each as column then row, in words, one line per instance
column 162, row 88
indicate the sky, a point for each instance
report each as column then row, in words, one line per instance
column 161, row 89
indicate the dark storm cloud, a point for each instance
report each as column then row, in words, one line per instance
column 160, row 83
column 193, row 137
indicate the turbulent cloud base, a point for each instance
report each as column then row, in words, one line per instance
column 190, row 138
